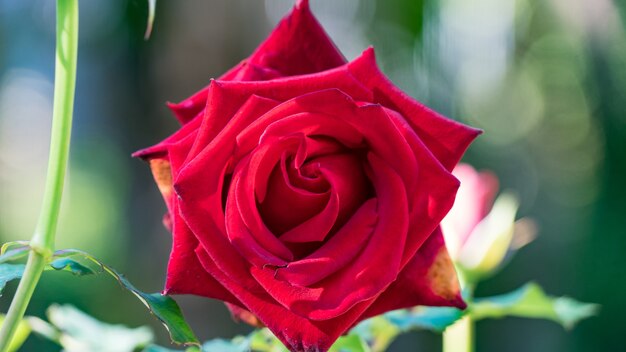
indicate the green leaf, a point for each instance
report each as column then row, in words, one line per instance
column 530, row 301
column 350, row 343
column 80, row 332
column 9, row 272
column 12, row 252
column 430, row 318
column 23, row 330
column 10, row 245
column 70, row 265
column 162, row 307
column 379, row 332
column 5, row 247
column 168, row 312
column 571, row 311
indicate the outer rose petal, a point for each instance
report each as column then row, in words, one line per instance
column 297, row 333
column 297, row 46
column 428, row 279
column 446, row 139
column 185, row 275
column 227, row 96
column 162, row 174
column 161, row 150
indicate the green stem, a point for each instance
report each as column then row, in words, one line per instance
column 460, row 336
column 42, row 242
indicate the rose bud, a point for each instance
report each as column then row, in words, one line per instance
column 306, row 192
column 482, row 234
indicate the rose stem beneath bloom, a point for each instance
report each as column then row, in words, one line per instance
column 459, row 337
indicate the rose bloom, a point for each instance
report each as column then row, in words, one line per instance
column 480, row 230
column 306, row 192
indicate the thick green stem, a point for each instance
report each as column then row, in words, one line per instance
column 460, row 336
column 42, row 242
column 64, row 87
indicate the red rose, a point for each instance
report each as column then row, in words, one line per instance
column 307, row 192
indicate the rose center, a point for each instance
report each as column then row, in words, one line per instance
column 311, row 194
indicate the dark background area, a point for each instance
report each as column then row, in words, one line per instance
column 544, row 79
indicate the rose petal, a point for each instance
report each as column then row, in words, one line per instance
column 285, row 205
column 337, row 252
column 434, row 190
column 161, row 149
column 361, row 280
column 205, row 188
column 162, row 174
column 447, row 139
column 343, row 119
column 284, row 121
column 428, row 279
column 349, row 188
column 296, row 332
column 214, row 242
column 185, row 274
column 316, row 228
column 252, row 239
column 314, row 146
column 297, row 46
column 231, row 95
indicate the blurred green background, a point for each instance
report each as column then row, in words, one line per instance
column 544, row 79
